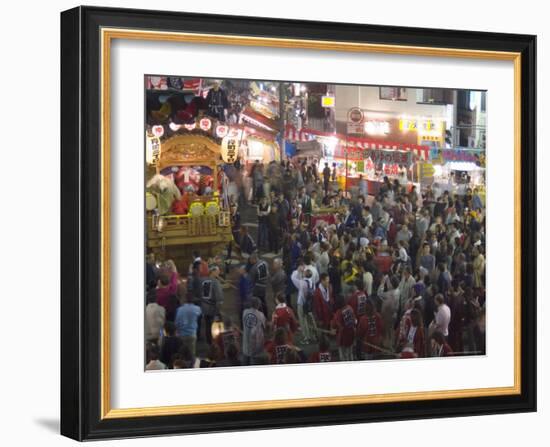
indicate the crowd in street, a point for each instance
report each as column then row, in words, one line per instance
column 349, row 276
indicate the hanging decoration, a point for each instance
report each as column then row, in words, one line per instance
column 222, row 130
column 205, row 124
column 351, row 143
column 158, row 131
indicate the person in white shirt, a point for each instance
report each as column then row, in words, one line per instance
column 389, row 293
column 403, row 256
column 303, row 281
column 385, row 219
column 367, row 216
column 310, row 265
column 155, row 317
column 405, row 287
column 442, row 316
column 389, row 200
column 453, row 233
column 403, row 234
column 324, row 259
column 254, row 324
column 367, row 282
column 153, row 354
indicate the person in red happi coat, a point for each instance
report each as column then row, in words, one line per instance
column 283, row 316
column 358, row 300
column 369, row 331
column 279, row 348
column 344, row 322
column 323, row 354
column 230, row 336
column 439, row 346
column 414, row 334
column 323, row 302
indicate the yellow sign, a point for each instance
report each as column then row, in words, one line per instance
column 328, row 101
column 421, row 125
column 427, row 170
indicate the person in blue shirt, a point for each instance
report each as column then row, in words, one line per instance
column 295, row 252
column 187, row 319
column 380, row 232
column 477, row 204
column 351, row 218
column 245, row 290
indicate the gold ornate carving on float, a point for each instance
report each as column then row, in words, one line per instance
column 188, row 149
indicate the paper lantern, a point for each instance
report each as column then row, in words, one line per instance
column 230, row 149
column 174, row 127
column 152, row 150
column 221, row 131
column 205, row 124
column 158, row 131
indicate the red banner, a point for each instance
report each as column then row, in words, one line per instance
column 358, row 143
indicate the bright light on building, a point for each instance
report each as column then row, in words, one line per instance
column 377, row 127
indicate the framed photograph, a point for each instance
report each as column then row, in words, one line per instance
column 277, row 223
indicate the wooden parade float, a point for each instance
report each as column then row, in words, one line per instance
column 198, row 220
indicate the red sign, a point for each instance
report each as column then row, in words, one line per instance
column 391, row 169
column 192, row 83
column 355, row 115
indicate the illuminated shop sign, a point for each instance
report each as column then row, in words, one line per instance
column 420, row 126
column 377, row 127
column 328, row 101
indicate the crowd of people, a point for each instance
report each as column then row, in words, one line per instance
column 399, row 274
column 238, row 97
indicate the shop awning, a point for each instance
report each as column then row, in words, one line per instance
column 257, row 119
column 308, row 148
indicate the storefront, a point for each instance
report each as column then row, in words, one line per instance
column 372, row 165
column 456, row 170
column 354, row 158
